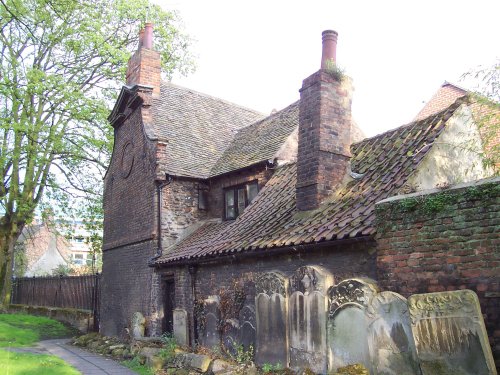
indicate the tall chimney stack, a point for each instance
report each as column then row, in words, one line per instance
column 324, row 130
column 144, row 67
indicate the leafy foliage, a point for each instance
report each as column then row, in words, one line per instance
column 61, row 64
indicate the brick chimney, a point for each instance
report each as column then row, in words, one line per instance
column 324, row 130
column 144, row 65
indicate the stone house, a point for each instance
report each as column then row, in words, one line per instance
column 209, row 205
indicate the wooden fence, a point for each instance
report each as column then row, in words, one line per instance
column 76, row 292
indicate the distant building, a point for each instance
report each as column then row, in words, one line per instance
column 42, row 248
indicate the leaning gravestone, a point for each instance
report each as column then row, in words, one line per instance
column 390, row 340
column 450, row 336
column 270, row 311
column 181, row 332
column 307, row 310
column 347, row 323
column 210, row 336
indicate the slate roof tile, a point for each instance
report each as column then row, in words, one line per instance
column 197, row 127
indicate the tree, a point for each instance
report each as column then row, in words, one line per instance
column 61, row 64
column 486, row 111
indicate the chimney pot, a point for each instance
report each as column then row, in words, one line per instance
column 148, row 36
column 329, row 52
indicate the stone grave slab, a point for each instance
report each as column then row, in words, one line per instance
column 210, row 333
column 307, row 309
column 347, row 323
column 390, row 340
column 271, row 319
column 181, row 331
column 449, row 332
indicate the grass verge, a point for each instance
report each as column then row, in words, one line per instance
column 40, row 364
column 23, row 330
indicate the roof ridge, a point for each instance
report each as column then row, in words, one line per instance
column 455, row 104
column 211, row 97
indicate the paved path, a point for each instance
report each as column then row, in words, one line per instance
column 85, row 362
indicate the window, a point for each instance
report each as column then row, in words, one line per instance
column 236, row 198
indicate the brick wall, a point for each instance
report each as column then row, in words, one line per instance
column 444, row 240
column 126, row 287
column 129, row 225
column 324, row 137
column 129, row 187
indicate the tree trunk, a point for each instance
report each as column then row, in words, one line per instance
column 8, row 238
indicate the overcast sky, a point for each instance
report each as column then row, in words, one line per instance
column 256, row 53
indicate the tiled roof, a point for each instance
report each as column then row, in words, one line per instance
column 197, row 128
column 259, row 141
column 271, row 221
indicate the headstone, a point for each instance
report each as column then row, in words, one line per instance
column 271, row 319
column 307, row 309
column 347, row 324
column 181, row 332
column 449, row 332
column 390, row 340
column 230, row 336
column 210, row 333
column 247, row 327
column 137, row 325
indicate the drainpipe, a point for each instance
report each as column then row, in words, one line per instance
column 159, row 194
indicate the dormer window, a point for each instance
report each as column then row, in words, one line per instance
column 236, row 198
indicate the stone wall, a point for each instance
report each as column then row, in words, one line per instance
column 218, row 184
column 355, row 259
column 444, row 240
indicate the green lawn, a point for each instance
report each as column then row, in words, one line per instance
column 24, row 330
column 17, row 330
column 39, row 364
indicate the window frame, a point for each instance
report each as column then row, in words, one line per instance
column 235, row 189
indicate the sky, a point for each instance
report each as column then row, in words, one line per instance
column 398, row 53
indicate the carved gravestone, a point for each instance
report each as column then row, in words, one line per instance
column 210, row 329
column 271, row 319
column 181, row 332
column 307, row 309
column 347, row 324
column 390, row 340
column 449, row 332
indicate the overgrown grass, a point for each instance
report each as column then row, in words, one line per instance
column 135, row 365
column 24, row 330
column 25, row 363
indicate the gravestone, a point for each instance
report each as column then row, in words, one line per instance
column 347, row 324
column 307, row 308
column 210, row 333
column 137, row 325
column 449, row 332
column 271, row 319
column 181, row 332
column 247, row 327
column 390, row 340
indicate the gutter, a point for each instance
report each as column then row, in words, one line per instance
column 263, row 252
